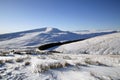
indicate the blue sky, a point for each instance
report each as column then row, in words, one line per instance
column 20, row 15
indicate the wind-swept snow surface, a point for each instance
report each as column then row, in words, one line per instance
column 107, row 44
column 60, row 67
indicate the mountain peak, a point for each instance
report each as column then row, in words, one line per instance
column 50, row 29
column 45, row 29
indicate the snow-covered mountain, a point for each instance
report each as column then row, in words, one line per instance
column 107, row 44
column 36, row 37
column 60, row 66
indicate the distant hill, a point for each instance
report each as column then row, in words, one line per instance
column 37, row 37
column 107, row 44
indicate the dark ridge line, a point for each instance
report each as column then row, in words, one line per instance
column 50, row 45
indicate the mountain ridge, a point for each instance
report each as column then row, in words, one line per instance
column 37, row 37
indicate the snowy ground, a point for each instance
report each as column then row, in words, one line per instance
column 60, row 67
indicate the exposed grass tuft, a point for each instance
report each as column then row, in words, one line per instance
column 9, row 60
column 19, row 60
column 41, row 67
column 4, row 53
column 27, row 63
column 2, row 61
column 91, row 62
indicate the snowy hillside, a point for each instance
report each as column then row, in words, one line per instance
column 107, row 44
column 37, row 37
column 37, row 65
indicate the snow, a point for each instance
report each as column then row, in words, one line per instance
column 37, row 37
column 44, row 67
column 107, row 44
column 92, row 31
column 48, row 29
column 78, row 61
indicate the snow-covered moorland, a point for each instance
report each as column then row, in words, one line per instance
column 107, row 44
column 37, row 37
column 59, row 66
column 91, row 59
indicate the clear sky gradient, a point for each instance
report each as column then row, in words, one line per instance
column 20, row 15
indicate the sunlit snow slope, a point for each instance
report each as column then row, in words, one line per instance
column 37, row 37
column 107, row 44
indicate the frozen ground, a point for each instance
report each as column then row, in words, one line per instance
column 60, row 67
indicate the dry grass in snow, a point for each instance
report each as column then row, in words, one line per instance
column 39, row 65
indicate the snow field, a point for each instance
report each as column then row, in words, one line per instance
column 44, row 63
column 60, row 67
